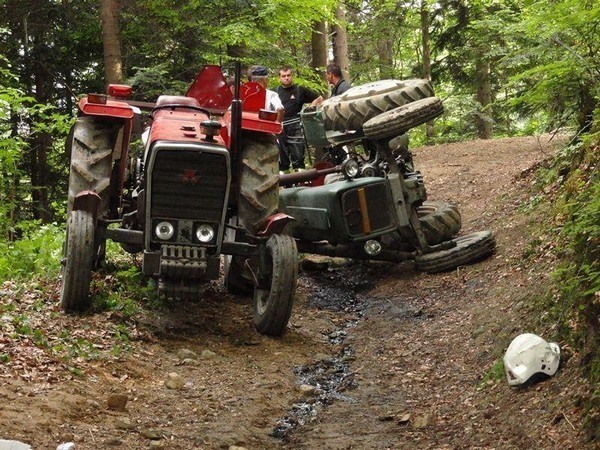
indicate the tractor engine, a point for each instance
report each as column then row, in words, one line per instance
column 185, row 190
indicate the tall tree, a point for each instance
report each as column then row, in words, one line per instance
column 111, row 41
column 340, row 42
column 426, row 55
column 319, row 48
column 485, row 121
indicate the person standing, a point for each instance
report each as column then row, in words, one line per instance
column 333, row 73
column 291, row 140
column 260, row 75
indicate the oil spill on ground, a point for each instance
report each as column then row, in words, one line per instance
column 340, row 290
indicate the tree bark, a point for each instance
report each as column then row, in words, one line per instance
column 485, row 123
column 40, row 141
column 425, row 40
column 111, row 41
column 340, row 42
column 319, row 48
column 386, row 62
column 587, row 105
column 429, row 131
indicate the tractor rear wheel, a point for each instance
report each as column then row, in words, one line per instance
column 78, row 260
column 91, row 146
column 470, row 248
column 399, row 120
column 440, row 221
column 274, row 298
column 259, row 180
column 350, row 110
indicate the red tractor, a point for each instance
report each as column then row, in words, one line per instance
column 205, row 186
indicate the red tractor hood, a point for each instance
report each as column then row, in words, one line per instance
column 210, row 89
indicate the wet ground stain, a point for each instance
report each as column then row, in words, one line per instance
column 339, row 290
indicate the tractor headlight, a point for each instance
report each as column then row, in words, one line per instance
column 372, row 247
column 350, row 168
column 164, row 230
column 205, row 233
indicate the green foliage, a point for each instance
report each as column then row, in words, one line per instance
column 150, row 82
column 22, row 119
column 574, row 305
column 579, row 206
column 557, row 60
column 176, row 41
column 36, row 254
column 123, row 288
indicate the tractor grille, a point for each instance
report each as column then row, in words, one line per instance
column 189, row 184
column 367, row 209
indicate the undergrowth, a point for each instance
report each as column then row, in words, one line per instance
column 36, row 254
column 572, row 181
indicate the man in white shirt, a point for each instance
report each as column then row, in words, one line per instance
column 260, row 75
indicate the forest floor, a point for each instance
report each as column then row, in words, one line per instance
column 377, row 355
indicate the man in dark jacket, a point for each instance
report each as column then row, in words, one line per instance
column 334, row 77
column 291, row 140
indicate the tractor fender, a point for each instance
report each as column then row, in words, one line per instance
column 111, row 109
column 128, row 116
column 87, row 201
column 274, row 224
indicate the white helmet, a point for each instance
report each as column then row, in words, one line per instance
column 529, row 354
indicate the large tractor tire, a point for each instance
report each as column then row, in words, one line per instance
column 259, row 180
column 91, row 147
column 78, row 261
column 399, row 120
column 440, row 221
column 470, row 248
column 273, row 301
column 350, row 110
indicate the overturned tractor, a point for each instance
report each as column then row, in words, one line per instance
column 364, row 199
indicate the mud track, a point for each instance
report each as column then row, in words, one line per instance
column 376, row 356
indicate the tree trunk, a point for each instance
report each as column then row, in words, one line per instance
column 587, row 105
column 484, row 98
column 386, row 62
column 429, row 132
column 319, row 48
column 111, row 41
column 340, row 42
column 40, row 141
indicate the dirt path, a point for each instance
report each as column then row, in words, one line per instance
column 377, row 356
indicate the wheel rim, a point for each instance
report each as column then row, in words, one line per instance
column 262, row 295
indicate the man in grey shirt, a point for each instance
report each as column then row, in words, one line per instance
column 334, row 78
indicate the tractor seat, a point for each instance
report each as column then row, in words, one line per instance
column 166, row 101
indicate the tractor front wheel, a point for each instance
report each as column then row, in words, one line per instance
column 78, row 261
column 469, row 248
column 277, row 275
column 399, row 120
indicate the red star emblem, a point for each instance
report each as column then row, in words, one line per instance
column 189, row 176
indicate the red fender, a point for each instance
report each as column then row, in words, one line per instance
column 112, row 108
column 275, row 224
column 87, row 201
column 117, row 111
